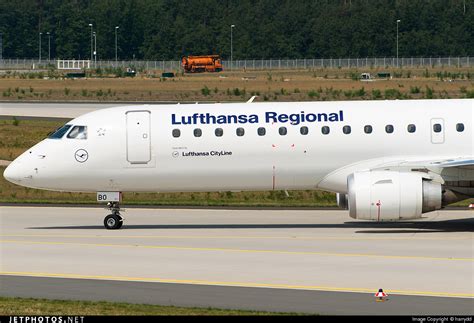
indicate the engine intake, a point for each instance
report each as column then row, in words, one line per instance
column 391, row 196
column 342, row 201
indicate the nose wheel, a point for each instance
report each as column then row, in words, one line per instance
column 113, row 221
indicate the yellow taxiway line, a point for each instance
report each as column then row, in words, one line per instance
column 230, row 237
column 314, row 253
column 237, row 284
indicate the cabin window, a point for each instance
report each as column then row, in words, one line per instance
column 304, row 130
column 460, row 127
column 176, row 133
column 78, row 132
column 325, row 130
column 282, row 131
column 240, row 132
column 437, row 127
column 219, row 132
column 368, row 129
column 197, row 132
column 59, row 133
column 261, row 131
column 411, row 128
column 389, row 128
column 346, row 129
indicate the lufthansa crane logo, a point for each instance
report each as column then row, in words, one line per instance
column 81, row 155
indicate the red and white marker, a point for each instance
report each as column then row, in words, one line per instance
column 380, row 296
column 471, row 206
column 378, row 210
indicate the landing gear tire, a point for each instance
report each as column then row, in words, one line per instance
column 113, row 222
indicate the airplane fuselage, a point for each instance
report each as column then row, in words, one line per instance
column 257, row 146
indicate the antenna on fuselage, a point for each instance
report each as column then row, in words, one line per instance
column 251, row 99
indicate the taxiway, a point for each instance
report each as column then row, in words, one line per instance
column 311, row 261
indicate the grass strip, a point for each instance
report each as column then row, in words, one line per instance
column 30, row 306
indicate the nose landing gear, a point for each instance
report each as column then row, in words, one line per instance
column 113, row 221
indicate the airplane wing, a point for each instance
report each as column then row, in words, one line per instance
column 461, row 163
column 467, row 163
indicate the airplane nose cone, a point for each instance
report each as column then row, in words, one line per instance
column 13, row 173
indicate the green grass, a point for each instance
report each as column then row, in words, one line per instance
column 29, row 306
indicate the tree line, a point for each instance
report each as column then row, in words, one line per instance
column 263, row 29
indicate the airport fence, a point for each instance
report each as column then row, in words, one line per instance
column 260, row 64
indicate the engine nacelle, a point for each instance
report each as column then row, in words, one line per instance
column 342, row 201
column 391, row 196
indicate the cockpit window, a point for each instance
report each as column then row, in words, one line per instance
column 59, row 133
column 78, row 132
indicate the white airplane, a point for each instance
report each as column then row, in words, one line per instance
column 387, row 160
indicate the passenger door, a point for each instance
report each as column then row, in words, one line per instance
column 138, row 137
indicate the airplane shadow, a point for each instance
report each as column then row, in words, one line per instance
column 459, row 225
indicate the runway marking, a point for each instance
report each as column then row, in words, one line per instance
column 314, row 253
column 234, row 237
column 237, row 284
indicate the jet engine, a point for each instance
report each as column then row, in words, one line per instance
column 391, row 196
column 342, row 201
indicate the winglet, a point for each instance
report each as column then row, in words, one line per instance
column 251, row 99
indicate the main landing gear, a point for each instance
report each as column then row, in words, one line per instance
column 113, row 221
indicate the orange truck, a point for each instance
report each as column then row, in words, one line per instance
column 196, row 64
